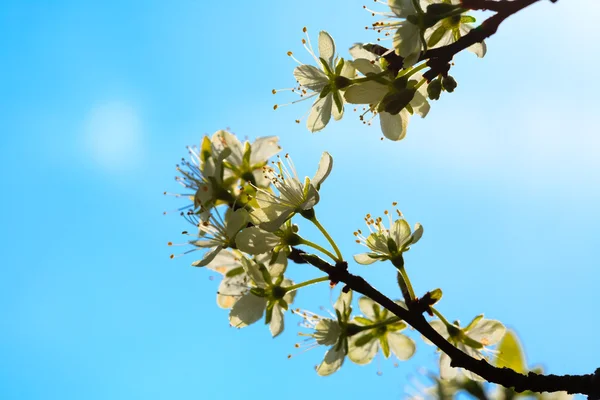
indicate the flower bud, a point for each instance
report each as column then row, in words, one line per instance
column 434, row 89
column 449, row 84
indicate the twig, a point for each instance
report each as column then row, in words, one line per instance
column 588, row 384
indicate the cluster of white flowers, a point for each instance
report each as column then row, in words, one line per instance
column 389, row 85
column 243, row 206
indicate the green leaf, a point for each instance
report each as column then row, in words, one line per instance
column 511, row 353
column 467, row 19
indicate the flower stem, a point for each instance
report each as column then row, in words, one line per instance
column 441, row 317
column 411, row 292
column 318, row 247
column 408, row 72
column 369, row 77
column 306, row 283
column 339, row 257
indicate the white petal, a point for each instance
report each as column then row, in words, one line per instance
column 402, row 8
column 276, row 324
column 344, row 302
column 364, row 258
column 348, row 69
column 247, row 310
column 325, row 166
column 332, row 362
column 407, row 43
column 235, row 221
column 400, row 232
column 394, row 126
column 417, row 233
column 278, row 267
column 208, row 257
column 326, row 47
column 224, row 262
column 369, row 92
column 254, row 240
column 366, row 67
column 359, row 52
column 223, row 138
column 487, row 332
column 419, row 103
column 479, row 49
column 320, row 114
column 264, row 148
column 440, row 328
column 231, row 290
column 446, row 371
column 366, row 306
column 310, row 77
column 253, row 271
column 336, row 112
column 362, row 354
column 401, row 345
column 276, row 222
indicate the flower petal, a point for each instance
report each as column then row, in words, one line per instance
column 394, row 126
column 255, row 241
column 401, row 345
column 367, row 307
column 417, row 233
column 440, row 328
column 264, row 148
column 229, row 140
column 247, row 310
column 320, row 114
column 332, row 362
column 362, row 354
column 359, row 52
column 400, row 232
column 366, row 66
column 369, row 92
column 223, row 262
column 487, row 332
column 326, row 47
column 407, row 42
column 364, row 258
column 402, row 8
column 276, row 325
column 344, row 302
column 231, row 290
column 310, row 77
column 325, row 166
column 235, row 221
column 446, row 371
column 208, row 257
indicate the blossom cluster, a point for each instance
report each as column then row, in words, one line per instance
column 244, row 199
column 387, row 83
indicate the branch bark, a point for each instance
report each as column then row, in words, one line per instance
column 588, row 384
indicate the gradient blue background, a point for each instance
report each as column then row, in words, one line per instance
column 98, row 100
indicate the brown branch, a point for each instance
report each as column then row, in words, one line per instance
column 588, row 384
column 439, row 58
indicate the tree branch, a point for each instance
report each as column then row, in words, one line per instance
column 588, row 384
column 439, row 58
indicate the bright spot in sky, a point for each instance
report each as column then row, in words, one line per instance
column 113, row 135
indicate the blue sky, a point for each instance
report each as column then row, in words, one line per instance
column 99, row 100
